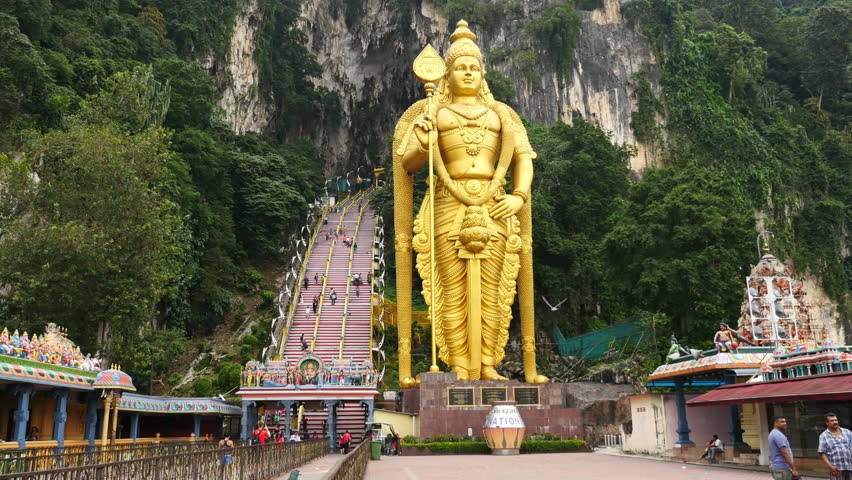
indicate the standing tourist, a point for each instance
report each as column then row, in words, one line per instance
column 226, row 446
column 316, row 279
column 333, row 297
column 345, row 441
column 262, row 433
column 780, row 454
column 305, row 282
column 835, row 448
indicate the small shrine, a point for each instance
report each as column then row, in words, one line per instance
column 779, row 359
column 53, row 396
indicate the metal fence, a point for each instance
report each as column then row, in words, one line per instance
column 46, row 458
column 256, row 462
column 355, row 465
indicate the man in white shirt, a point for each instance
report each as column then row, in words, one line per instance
column 714, row 447
column 294, row 437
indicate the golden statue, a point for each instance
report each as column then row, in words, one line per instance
column 482, row 236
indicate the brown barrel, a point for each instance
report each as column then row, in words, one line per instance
column 504, row 428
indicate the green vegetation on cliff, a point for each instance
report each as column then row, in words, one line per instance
column 130, row 214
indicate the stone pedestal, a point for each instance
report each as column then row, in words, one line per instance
column 436, row 399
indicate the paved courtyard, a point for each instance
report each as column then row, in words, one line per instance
column 579, row 466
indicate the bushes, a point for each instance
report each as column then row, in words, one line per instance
column 452, row 448
column 548, row 446
column 456, row 445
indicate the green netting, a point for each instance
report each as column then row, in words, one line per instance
column 592, row 345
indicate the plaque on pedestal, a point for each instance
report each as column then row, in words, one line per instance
column 460, row 397
column 527, row 395
column 489, row 395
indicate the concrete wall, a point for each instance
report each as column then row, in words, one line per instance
column 704, row 422
column 646, row 432
column 437, row 417
column 654, row 423
column 403, row 423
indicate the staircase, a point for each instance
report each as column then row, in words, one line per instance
column 350, row 416
column 323, row 332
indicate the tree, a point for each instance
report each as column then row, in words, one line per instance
column 827, row 38
column 580, row 177
column 228, row 377
column 736, row 59
column 192, row 93
column 99, row 244
column 681, row 246
column 754, row 17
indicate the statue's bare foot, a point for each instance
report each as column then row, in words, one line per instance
column 461, row 372
column 533, row 377
column 488, row 373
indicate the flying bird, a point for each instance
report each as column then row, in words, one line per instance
column 553, row 308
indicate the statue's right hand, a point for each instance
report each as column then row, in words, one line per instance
column 422, row 126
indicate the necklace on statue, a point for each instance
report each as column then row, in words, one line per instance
column 470, row 112
column 472, row 132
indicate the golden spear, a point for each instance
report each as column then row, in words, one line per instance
column 429, row 67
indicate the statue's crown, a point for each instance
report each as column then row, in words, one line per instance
column 462, row 32
column 463, row 43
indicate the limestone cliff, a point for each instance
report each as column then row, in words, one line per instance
column 236, row 76
column 367, row 61
column 369, row 64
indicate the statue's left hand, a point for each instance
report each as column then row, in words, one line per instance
column 506, row 205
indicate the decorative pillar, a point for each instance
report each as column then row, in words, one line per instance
column 735, row 428
column 60, row 415
column 196, row 421
column 22, row 413
column 370, row 404
column 105, row 423
column 288, row 415
column 682, row 424
column 134, row 426
column 245, row 429
column 116, row 400
column 331, row 427
column 91, row 419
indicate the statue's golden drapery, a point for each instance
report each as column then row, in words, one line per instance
column 482, row 234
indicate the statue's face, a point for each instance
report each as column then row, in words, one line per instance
column 466, row 76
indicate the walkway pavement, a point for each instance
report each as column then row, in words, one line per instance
column 316, row 470
column 549, row 466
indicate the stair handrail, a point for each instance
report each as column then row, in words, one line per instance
column 373, row 249
column 325, row 276
column 294, row 300
column 349, row 279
